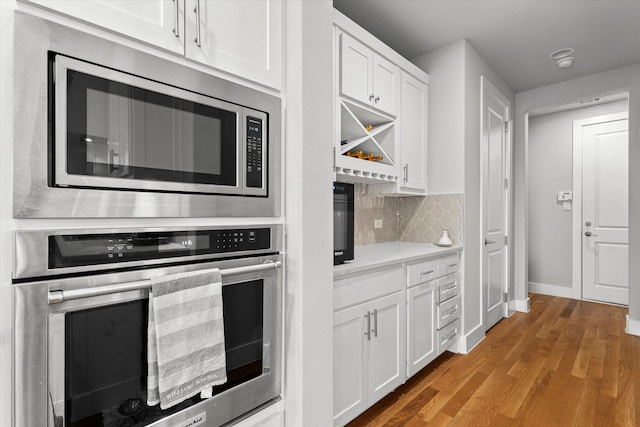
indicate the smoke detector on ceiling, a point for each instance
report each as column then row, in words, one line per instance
column 563, row 57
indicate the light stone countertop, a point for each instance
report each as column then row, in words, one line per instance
column 379, row 255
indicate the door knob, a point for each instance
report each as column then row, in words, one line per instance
column 488, row 242
column 587, row 233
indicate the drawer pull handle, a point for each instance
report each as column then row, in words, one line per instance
column 424, row 273
column 449, row 288
column 449, row 336
column 452, row 265
column 449, row 312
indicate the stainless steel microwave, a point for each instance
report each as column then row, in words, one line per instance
column 105, row 130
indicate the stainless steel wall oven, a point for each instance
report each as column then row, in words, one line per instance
column 104, row 130
column 81, row 316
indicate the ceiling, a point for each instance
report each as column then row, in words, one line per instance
column 514, row 36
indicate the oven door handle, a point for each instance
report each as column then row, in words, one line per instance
column 58, row 296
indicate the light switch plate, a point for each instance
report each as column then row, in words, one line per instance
column 377, row 223
column 565, row 196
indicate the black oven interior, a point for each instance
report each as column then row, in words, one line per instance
column 106, row 357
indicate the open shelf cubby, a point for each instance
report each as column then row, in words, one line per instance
column 355, row 136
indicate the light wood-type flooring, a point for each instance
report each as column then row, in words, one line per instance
column 565, row 363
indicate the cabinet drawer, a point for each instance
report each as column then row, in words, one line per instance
column 367, row 286
column 448, row 335
column 422, row 271
column 449, row 264
column 448, row 311
column 448, row 287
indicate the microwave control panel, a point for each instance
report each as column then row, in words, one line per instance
column 254, row 153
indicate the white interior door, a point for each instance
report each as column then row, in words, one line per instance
column 495, row 167
column 605, row 211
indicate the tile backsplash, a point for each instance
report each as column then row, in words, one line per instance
column 407, row 219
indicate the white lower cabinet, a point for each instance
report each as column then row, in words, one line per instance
column 369, row 354
column 421, row 340
column 389, row 323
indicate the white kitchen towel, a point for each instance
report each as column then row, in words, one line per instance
column 186, row 350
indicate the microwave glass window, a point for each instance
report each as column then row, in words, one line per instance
column 106, row 357
column 122, row 131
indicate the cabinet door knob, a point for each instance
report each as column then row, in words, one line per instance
column 377, row 99
column 371, row 97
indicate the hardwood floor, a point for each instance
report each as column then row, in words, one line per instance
column 565, row 363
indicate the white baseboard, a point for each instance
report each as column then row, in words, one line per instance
column 552, row 290
column 633, row 326
column 523, row 305
column 467, row 342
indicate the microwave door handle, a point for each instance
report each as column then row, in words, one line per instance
column 58, row 296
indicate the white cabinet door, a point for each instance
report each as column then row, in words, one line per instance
column 421, row 330
column 243, row 38
column 385, row 85
column 356, row 70
column 387, row 347
column 367, row 77
column 350, row 345
column 157, row 22
column 413, row 134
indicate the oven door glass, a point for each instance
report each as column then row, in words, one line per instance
column 116, row 130
column 106, row 357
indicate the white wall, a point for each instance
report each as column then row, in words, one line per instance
column 454, row 155
column 6, row 221
column 309, row 291
column 445, row 150
column 607, row 83
column 550, row 171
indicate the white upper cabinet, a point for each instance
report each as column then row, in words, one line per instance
column 156, row 22
column 367, row 77
column 413, row 135
column 243, row 38
column 385, row 89
column 380, row 113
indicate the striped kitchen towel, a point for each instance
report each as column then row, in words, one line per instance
column 186, row 351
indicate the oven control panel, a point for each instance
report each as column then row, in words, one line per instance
column 73, row 250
